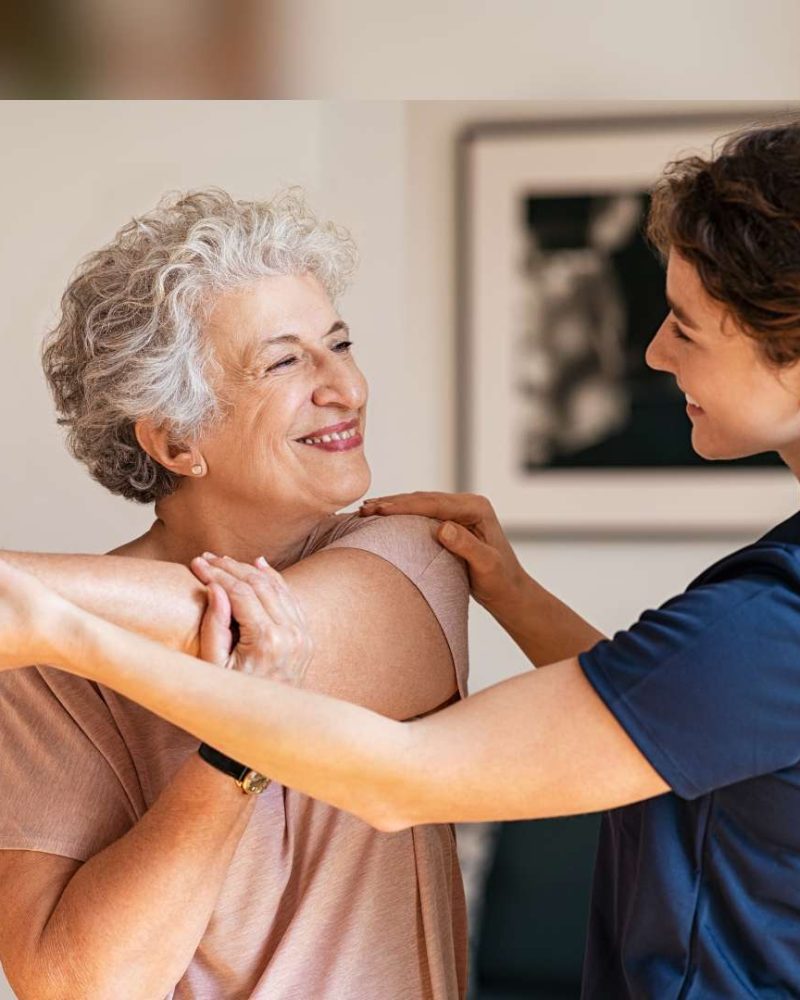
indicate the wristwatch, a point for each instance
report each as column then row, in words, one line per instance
column 250, row 781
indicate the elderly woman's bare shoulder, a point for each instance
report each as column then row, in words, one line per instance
column 387, row 606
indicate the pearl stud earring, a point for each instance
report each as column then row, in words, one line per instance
column 197, row 470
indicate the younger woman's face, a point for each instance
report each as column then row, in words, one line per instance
column 738, row 405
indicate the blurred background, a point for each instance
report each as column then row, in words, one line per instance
column 359, row 49
column 73, row 172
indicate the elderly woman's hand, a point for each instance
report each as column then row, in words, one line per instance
column 472, row 532
column 34, row 620
column 274, row 640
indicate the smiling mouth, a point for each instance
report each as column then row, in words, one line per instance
column 691, row 404
column 339, row 437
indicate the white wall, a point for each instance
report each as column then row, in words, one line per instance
column 617, row 49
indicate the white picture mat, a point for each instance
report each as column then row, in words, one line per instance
column 503, row 168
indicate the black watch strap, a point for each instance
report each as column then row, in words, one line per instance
column 222, row 763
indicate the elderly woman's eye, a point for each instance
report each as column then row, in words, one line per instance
column 343, row 346
column 284, row 363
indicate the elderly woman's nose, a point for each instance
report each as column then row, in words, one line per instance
column 345, row 388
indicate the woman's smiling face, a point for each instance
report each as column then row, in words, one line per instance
column 738, row 404
column 288, row 377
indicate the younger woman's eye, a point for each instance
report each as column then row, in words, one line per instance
column 677, row 332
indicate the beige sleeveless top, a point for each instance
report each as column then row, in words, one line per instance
column 316, row 905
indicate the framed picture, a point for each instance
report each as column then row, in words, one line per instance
column 561, row 422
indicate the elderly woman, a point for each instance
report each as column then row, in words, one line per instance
column 199, row 363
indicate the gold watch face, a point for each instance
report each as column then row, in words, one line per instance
column 254, row 783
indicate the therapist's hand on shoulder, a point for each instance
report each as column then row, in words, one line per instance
column 274, row 639
column 470, row 530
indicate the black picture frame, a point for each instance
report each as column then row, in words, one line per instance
column 562, row 170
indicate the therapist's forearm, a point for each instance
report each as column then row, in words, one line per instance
column 344, row 754
column 544, row 628
column 162, row 600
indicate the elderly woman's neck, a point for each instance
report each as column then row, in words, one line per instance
column 179, row 534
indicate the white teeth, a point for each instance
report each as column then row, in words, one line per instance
column 336, row 436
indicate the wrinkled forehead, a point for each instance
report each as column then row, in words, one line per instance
column 241, row 321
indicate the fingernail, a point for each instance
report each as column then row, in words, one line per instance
column 209, row 555
column 448, row 532
column 262, row 562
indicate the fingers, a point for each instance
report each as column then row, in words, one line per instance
column 274, row 636
column 482, row 558
column 273, row 590
column 291, row 608
column 463, row 508
column 215, row 628
column 259, row 597
column 251, row 596
column 439, row 505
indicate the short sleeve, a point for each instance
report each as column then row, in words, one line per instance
column 67, row 783
column 409, row 543
column 708, row 685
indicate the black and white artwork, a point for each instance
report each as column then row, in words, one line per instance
column 561, row 421
column 596, row 297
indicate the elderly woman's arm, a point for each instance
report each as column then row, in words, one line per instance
column 376, row 640
column 376, row 665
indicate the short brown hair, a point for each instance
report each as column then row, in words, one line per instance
column 736, row 218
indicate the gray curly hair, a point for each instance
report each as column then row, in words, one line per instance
column 128, row 344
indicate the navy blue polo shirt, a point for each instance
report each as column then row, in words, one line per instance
column 697, row 892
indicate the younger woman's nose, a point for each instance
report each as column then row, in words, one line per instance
column 656, row 356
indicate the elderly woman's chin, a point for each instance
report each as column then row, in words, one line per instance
column 344, row 487
column 357, row 483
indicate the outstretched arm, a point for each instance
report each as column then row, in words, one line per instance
column 540, row 744
column 162, row 600
column 377, row 642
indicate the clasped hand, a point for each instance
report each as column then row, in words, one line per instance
column 274, row 639
column 37, row 625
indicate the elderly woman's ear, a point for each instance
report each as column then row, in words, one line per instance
column 178, row 458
